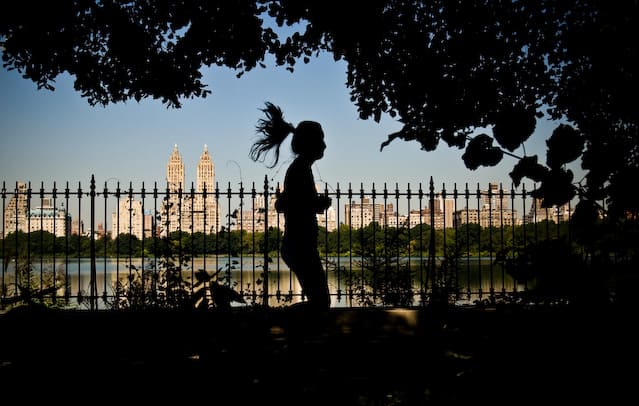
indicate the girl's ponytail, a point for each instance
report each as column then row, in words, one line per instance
column 274, row 131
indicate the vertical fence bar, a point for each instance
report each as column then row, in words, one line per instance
column 253, row 275
column 79, row 293
column 154, row 234
column 491, row 292
column 55, row 216
column 41, row 232
column 94, row 278
column 218, row 231
column 5, row 262
column 193, row 224
column 457, row 251
column 386, row 252
column 117, row 239
column 479, row 221
column 512, row 226
column 205, row 229
column 374, row 246
column 179, row 232
column 265, row 266
column 446, row 269
column 350, row 243
column 325, row 236
column 228, row 236
column 278, row 271
column 362, row 242
column 501, row 235
column 241, row 228
column 16, row 259
column 28, row 263
column 339, row 242
column 535, row 208
column 105, row 195
column 468, row 281
column 431, row 244
column 408, row 209
column 67, row 283
column 129, row 236
column 397, row 231
column 142, row 250
column 422, row 290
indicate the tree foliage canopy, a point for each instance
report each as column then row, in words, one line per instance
column 442, row 68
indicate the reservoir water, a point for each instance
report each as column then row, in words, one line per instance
column 474, row 278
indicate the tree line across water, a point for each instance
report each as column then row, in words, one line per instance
column 467, row 239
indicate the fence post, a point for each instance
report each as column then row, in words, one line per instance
column 434, row 286
column 266, row 245
column 94, row 286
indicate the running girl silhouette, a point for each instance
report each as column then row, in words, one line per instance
column 299, row 200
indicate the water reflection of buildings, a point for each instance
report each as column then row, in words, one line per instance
column 74, row 277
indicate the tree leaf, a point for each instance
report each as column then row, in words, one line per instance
column 481, row 152
column 513, row 126
column 556, row 188
column 564, row 145
column 527, row 167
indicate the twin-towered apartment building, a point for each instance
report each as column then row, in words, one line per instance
column 194, row 208
column 183, row 208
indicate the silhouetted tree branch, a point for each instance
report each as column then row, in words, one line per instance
column 441, row 68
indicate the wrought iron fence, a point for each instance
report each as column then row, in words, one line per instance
column 101, row 247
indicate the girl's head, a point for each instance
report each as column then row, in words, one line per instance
column 308, row 140
column 308, row 137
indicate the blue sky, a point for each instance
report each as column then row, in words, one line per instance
column 57, row 136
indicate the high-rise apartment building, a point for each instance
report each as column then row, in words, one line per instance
column 189, row 209
column 129, row 218
column 444, row 210
column 256, row 217
column 20, row 216
column 175, row 171
column 48, row 218
column 77, row 227
column 15, row 215
column 557, row 214
column 328, row 219
column 362, row 213
column 205, row 213
column 493, row 209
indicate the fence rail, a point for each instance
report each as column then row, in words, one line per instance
column 101, row 247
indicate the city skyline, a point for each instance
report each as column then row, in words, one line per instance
column 198, row 210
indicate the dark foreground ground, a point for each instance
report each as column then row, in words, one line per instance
column 351, row 357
